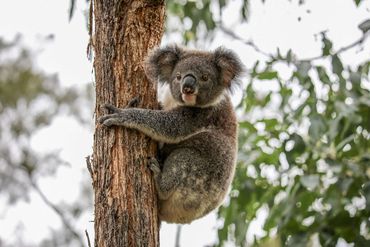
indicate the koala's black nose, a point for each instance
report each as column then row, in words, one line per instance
column 189, row 85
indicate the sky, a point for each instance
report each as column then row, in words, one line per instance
column 271, row 25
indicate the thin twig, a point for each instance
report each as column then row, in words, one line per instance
column 90, row 45
column 248, row 43
column 88, row 238
column 178, row 234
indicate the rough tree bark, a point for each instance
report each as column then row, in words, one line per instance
column 125, row 199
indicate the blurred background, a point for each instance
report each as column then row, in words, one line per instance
column 303, row 174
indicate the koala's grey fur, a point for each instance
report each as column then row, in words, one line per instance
column 197, row 126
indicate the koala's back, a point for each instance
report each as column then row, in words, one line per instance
column 204, row 164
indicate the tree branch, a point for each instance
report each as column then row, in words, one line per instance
column 271, row 56
column 58, row 211
column 249, row 43
column 340, row 50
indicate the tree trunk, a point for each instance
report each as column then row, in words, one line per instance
column 125, row 198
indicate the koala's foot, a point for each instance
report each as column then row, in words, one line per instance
column 164, row 188
column 154, row 166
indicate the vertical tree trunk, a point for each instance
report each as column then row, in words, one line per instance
column 125, row 199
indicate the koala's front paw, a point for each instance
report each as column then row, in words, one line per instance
column 115, row 118
column 109, row 120
column 154, row 165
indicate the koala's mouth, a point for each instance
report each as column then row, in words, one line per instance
column 189, row 90
column 189, row 99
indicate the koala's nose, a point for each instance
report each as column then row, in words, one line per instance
column 189, row 85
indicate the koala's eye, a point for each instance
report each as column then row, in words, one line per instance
column 178, row 76
column 205, row 77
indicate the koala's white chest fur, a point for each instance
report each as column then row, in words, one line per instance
column 165, row 97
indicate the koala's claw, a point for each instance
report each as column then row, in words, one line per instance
column 154, row 165
column 107, row 123
column 111, row 108
column 133, row 102
column 102, row 119
column 107, row 120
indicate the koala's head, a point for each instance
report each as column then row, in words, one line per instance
column 196, row 78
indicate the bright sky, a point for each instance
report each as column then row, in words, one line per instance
column 271, row 25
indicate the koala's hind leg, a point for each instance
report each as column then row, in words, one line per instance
column 165, row 184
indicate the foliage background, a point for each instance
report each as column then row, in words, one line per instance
column 304, row 161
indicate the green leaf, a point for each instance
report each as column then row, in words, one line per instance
column 337, row 65
column 228, row 214
column 303, row 69
column 175, row 9
column 254, row 72
column 289, row 56
column 247, row 125
column 323, row 76
column 245, row 10
column 222, row 3
column 306, row 198
column 364, row 26
column 357, row 2
column 347, row 140
column 366, row 193
column 72, row 9
column 344, row 185
column 347, row 226
column 208, row 18
column 361, row 242
column 364, row 69
column 327, row 238
column 328, row 45
column 189, row 35
column 241, row 228
column 317, row 127
column 266, row 100
column 274, row 216
column 355, row 78
column 297, row 240
column 270, row 123
column 310, row 181
column 267, row 75
column 299, row 144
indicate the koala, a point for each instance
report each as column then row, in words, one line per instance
column 197, row 127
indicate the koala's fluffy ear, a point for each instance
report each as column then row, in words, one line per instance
column 161, row 61
column 229, row 65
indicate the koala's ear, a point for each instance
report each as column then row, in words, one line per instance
column 229, row 65
column 161, row 61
